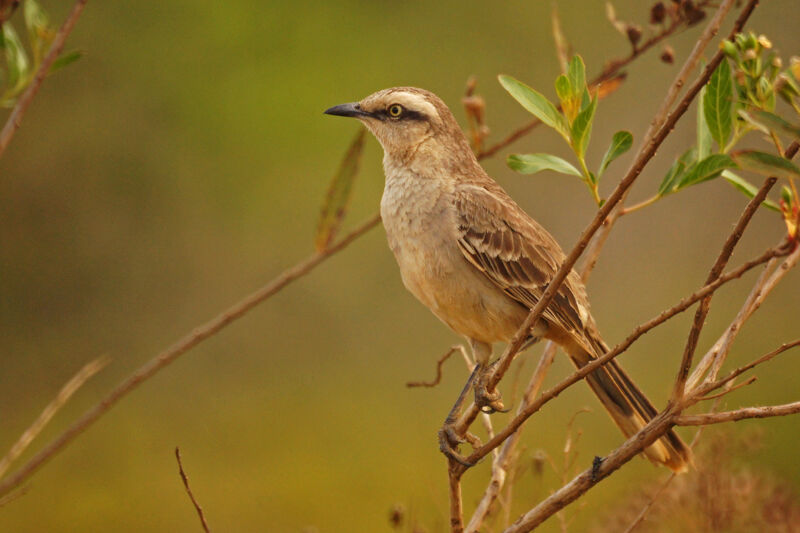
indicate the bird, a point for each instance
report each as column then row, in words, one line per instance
column 478, row 261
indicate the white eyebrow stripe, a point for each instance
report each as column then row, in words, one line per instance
column 414, row 102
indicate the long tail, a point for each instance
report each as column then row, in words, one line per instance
column 629, row 407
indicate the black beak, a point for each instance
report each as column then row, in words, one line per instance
column 347, row 110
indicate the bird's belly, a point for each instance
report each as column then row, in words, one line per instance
column 439, row 276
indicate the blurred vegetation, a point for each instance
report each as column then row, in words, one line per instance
column 182, row 162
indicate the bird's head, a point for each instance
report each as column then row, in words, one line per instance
column 409, row 123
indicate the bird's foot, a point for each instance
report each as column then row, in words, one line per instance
column 488, row 401
column 449, row 440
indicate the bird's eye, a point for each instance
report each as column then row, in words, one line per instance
column 395, row 110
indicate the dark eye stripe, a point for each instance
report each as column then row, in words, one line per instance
column 407, row 114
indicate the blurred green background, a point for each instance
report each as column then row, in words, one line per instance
column 181, row 164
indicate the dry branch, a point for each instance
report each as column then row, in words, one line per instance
column 70, row 387
column 739, row 414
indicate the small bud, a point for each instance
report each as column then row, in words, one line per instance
column 750, row 41
column 668, row 55
column 475, row 106
column 657, row 13
column 764, row 42
column 777, row 62
column 729, row 48
column 750, row 54
column 634, row 33
column 794, row 67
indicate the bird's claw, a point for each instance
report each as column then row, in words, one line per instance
column 488, row 401
column 449, row 440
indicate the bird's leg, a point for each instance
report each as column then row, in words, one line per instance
column 449, row 439
column 488, row 401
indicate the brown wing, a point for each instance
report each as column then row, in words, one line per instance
column 517, row 254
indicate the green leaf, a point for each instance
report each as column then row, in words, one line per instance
column 533, row 163
column 676, row 171
column 718, row 104
column 703, row 133
column 581, row 129
column 772, row 122
column 536, row 103
column 16, row 58
column 620, row 143
column 705, row 169
column 563, row 89
column 335, row 205
column 747, row 188
column 577, row 76
column 38, row 24
column 766, row 164
column 65, row 59
column 786, row 195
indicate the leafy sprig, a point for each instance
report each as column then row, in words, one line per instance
column 572, row 120
column 18, row 66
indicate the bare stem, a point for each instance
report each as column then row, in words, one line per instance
column 739, row 414
column 70, row 387
column 185, row 480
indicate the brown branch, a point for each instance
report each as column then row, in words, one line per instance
column 185, row 480
column 439, row 363
column 739, row 414
column 744, row 368
column 716, row 270
column 640, row 330
column 70, row 387
column 15, row 118
column 456, row 509
column 157, row 363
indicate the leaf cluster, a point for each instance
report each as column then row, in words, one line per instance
column 572, row 120
column 740, row 98
column 18, row 65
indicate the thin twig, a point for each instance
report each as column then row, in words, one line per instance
column 24, row 101
column 745, row 383
column 739, row 414
column 70, row 387
column 185, row 480
column 716, row 270
column 8, row 498
column 157, row 363
column 744, row 368
column 439, row 363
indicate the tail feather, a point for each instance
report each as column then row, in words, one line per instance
column 629, row 407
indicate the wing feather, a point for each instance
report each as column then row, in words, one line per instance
column 517, row 254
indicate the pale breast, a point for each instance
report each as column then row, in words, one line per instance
column 418, row 217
